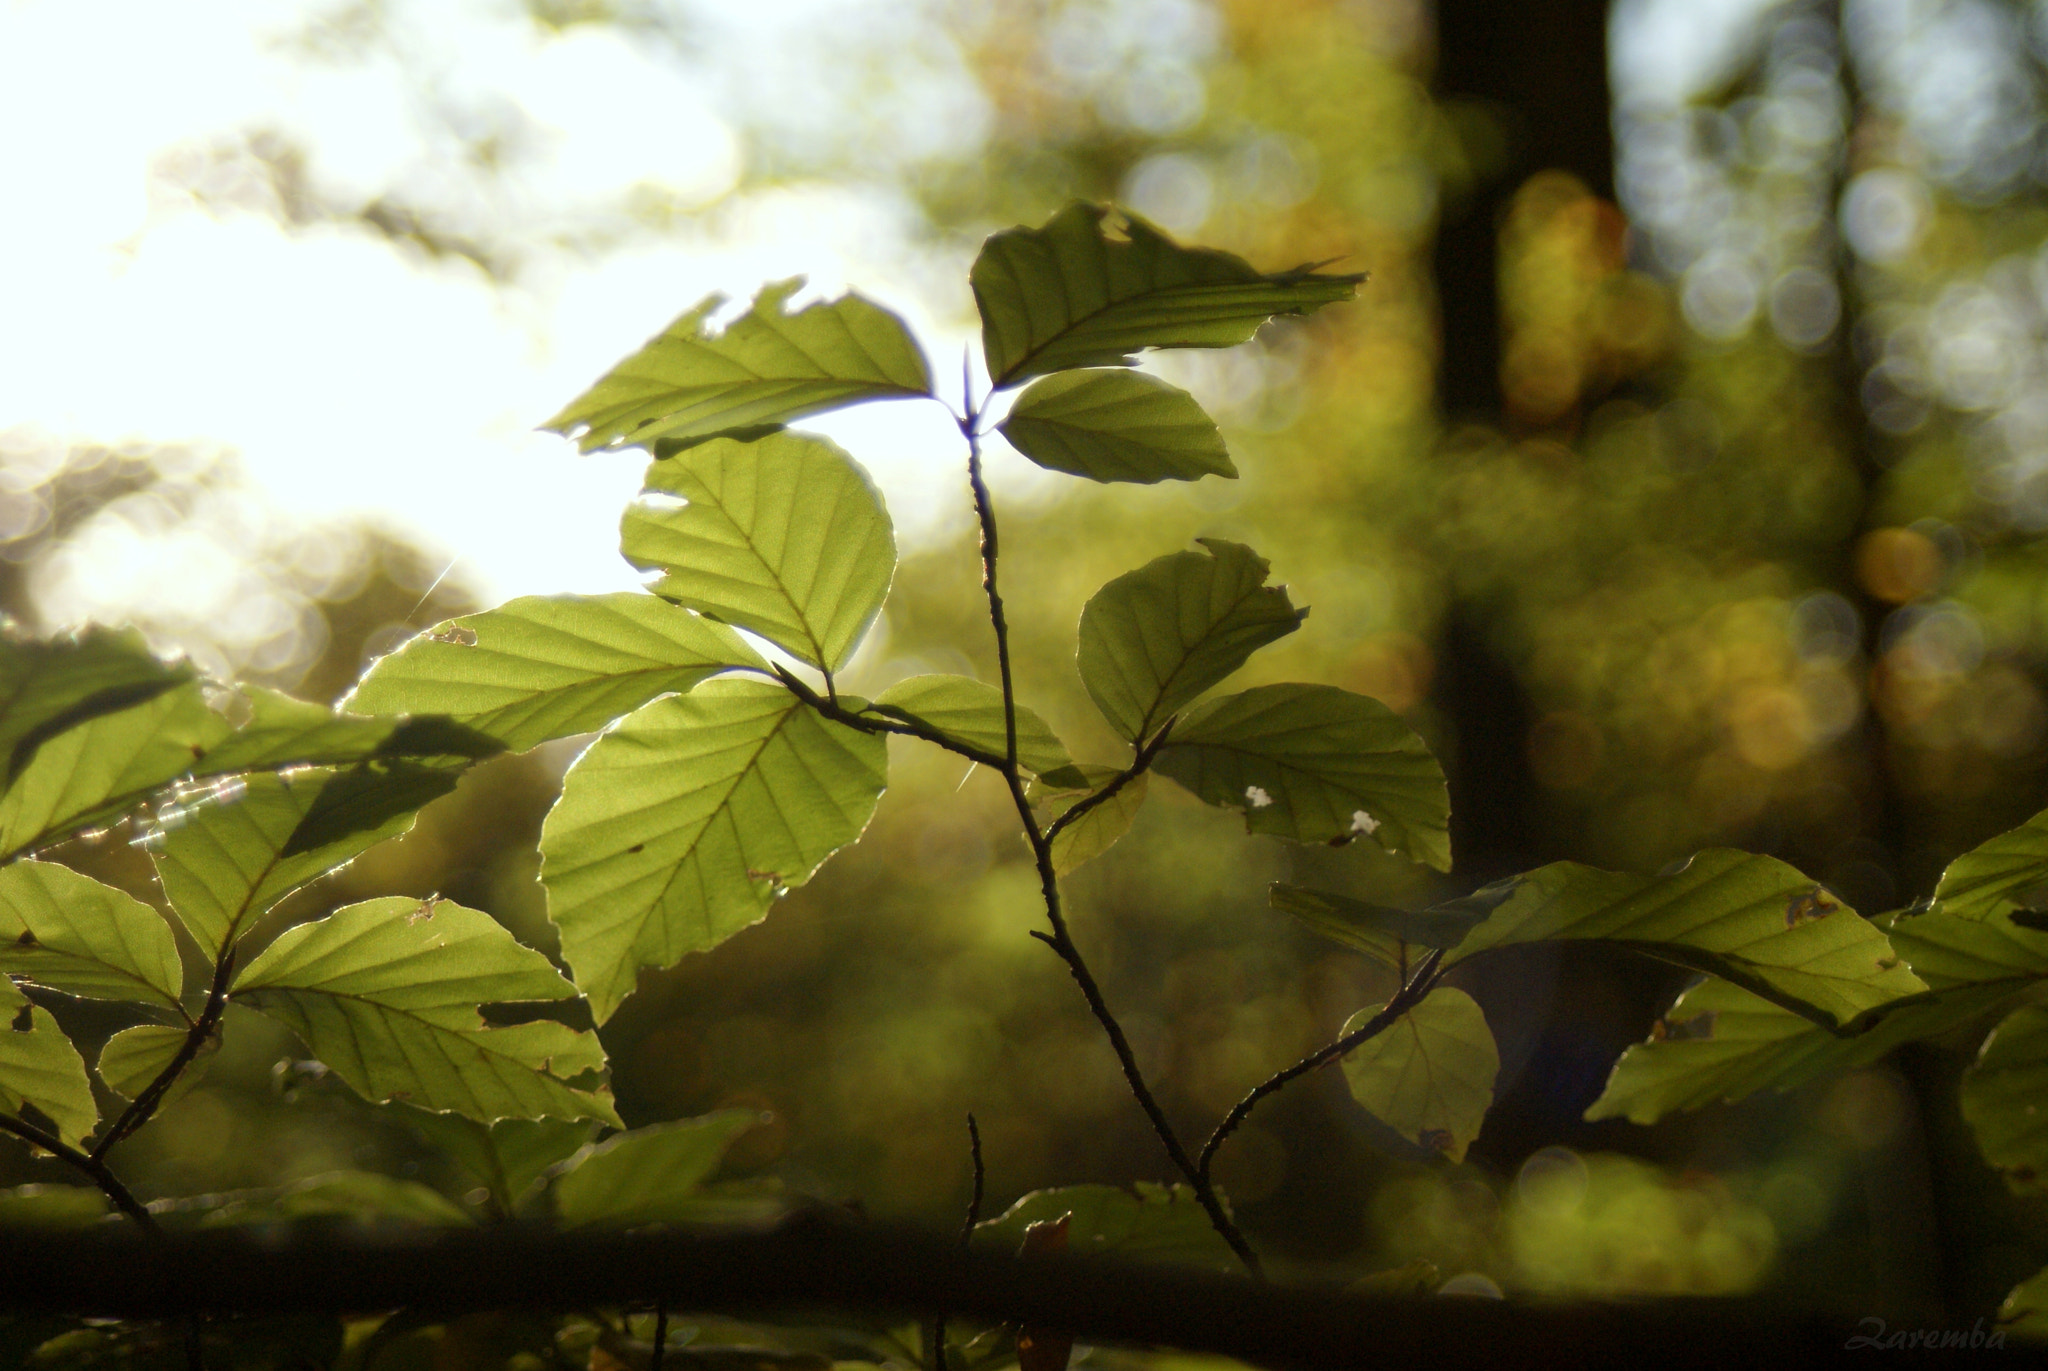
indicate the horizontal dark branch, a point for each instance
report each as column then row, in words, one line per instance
column 813, row 1264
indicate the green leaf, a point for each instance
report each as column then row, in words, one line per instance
column 388, row 994
column 2009, row 872
column 677, row 828
column 363, row 1196
column 785, row 536
column 1116, row 426
column 2001, row 1098
column 508, row 1157
column 134, row 1057
column 1096, row 831
column 1159, row 1223
column 1318, row 765
column 104, row 767
column 69, row 932
column 1155, row 638
column 227, row 863
column 767, row 366
column 39, row 1067
column 47, row 687
column 1070, row 295
column 2025, row 1311
column 650, row 1175
column 1747, row 919
column 970, row 712
column 1720, row 1043
column 1429, row 1075
column 284, row 732
column 1376, row 930
column 548, row 666
column 51, row 1206
column 1948, row 950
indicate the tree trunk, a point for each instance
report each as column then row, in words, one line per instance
column 1539, row 67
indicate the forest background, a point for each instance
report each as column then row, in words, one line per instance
column 1680, row 475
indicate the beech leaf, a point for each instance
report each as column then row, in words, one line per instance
column 1074, row 294
column 785, row 536
column 768, row 366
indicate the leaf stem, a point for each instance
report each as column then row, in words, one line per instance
column 90, row 1166
column 1406, row 998
column 936, row 1333
column 980, row 1182
column 878, row 724
column 152, row 1096
column 1060, row 940
column 1137, row 768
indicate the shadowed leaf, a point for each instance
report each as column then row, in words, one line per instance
column 39, row 1067
column 134, row 1057
column 650, row 1175
column 362, row 1196
column 106, row 766
column 507, row 1157
column 1429, row 1076
column 971, row 712
column 47, row 687
column 69, row 932
column 1072, row 295
column 1096, row 831
column 1155, row 638
column 1317, row 765
column 1116, row 426
column 2025, row 1311
column 1720, row 1043
column 284, row 732
column 228, row 862
column 1372, row 929
column 1747, row 919
column 388, row 994
column 1157, row 1223
column 2001, row 1098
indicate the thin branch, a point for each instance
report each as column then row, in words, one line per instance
column 1060, row 940
column 90, row 1166
column 204, row 1027
column 935, row 1339
column 660, row 1335
column 1407, row 997
column 1138, row 767
column 881, row 724
column 980, row 1181
column 985, row 515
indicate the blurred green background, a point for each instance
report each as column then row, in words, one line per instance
column 1681, row 473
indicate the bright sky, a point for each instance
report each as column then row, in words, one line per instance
column 350, row 378
column 346, row 375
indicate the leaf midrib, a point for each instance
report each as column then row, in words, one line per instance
column 781, row 587
column 434, row 1031
column 1188, row 652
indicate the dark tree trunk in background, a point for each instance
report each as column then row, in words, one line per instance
column 1540, row 68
